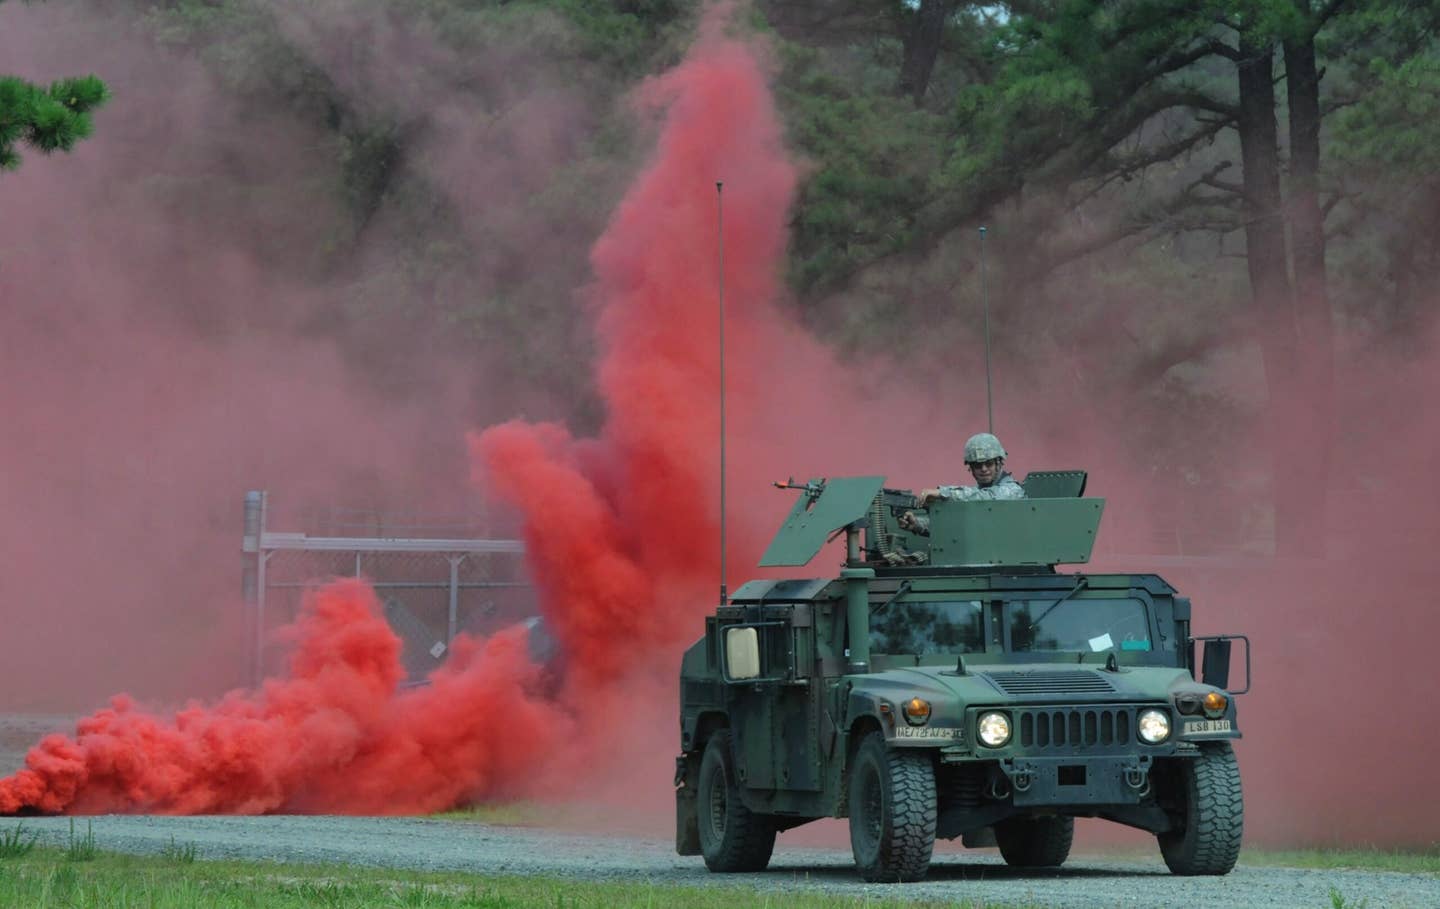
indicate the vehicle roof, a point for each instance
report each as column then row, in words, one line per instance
column 800, row 590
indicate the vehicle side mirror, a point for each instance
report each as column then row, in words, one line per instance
column 742, row 654
column 1215, row 663
column 1215, row 660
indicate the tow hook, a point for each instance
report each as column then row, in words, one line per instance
column 1019, row 773
column 1137, row 775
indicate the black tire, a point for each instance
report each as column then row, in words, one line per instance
column 1035, row 842
column 892, row 811
column 1209, row 812
column 732, row 837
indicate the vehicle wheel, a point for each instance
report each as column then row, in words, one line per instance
column 892, row 811
column 732, row 837
column 1209, row 812
column 1035, row 842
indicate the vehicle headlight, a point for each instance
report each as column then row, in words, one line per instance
column 993, row 729
column 917, row 711
column 1154, row 726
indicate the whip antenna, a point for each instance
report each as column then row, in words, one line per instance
column 985, row 301
column 720, row 257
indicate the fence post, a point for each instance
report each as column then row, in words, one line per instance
column 450, row 630
column 253, row 581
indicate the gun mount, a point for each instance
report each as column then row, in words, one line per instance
column 1054, row 525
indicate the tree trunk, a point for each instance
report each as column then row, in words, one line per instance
column 922, row 46
column 1307, row 246
column 1270, row 287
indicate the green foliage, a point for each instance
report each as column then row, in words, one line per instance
column 17, row 842
column 82, row 848
column 1416, row 860
column 180, row 853
column 874, row 159
column 1070, row 86
column 47, row 119
column 1396, row 126
column 1338, row 901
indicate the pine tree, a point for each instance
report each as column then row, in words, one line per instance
column 47, row 119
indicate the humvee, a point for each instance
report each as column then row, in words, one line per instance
column 955, row 685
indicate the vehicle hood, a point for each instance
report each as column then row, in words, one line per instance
column 1038, row 683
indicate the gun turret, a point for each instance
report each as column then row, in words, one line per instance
column 1053, row 525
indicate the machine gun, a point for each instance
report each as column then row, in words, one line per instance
column 811, row 488
column 883, row 539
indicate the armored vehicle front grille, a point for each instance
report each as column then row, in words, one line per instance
column 1074, row 727
column 1062, row 682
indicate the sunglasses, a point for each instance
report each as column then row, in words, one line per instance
column 976, row 465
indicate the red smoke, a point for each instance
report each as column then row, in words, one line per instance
column 621, row 530
column 623, row 541
column 622, row 538
column 333, row 735
column 161, row 352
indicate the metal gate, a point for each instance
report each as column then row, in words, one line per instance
column 432, row 588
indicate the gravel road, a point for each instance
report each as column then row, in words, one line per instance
column 1084, row 883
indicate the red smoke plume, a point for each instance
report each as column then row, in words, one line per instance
column 620, row 530
column 333, row 735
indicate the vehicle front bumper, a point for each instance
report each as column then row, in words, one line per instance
column 1077, row 780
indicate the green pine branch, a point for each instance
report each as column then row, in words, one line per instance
column 47, row 119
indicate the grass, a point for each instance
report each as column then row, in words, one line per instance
column 17, row 842
column 81, row 874
column 1338, row 901
column 180, row 853
column 532, row 814
column 46, row 878
column 82, row 849
column 1409, row 861
column 510, row 814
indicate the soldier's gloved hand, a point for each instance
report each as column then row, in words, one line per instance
column 927, row 496
column 907, row 522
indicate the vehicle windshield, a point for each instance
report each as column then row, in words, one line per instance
column 1086, row 625
column 930, row 626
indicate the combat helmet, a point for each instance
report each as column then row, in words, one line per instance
column 983, row 447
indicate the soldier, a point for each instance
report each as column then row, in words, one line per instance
column 985, row 457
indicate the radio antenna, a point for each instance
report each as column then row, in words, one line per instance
column 985, row 302
column 720, row 257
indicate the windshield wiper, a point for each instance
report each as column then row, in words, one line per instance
column 1079, row 585
column 903, row 589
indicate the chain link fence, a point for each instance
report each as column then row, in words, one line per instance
column 433, row 586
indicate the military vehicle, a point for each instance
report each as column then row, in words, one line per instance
column 955, row 685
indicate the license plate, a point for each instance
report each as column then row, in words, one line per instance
column 1200, row 727
column 945, row 733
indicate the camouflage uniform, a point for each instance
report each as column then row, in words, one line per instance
column 1003, row 488
column 980, row 447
